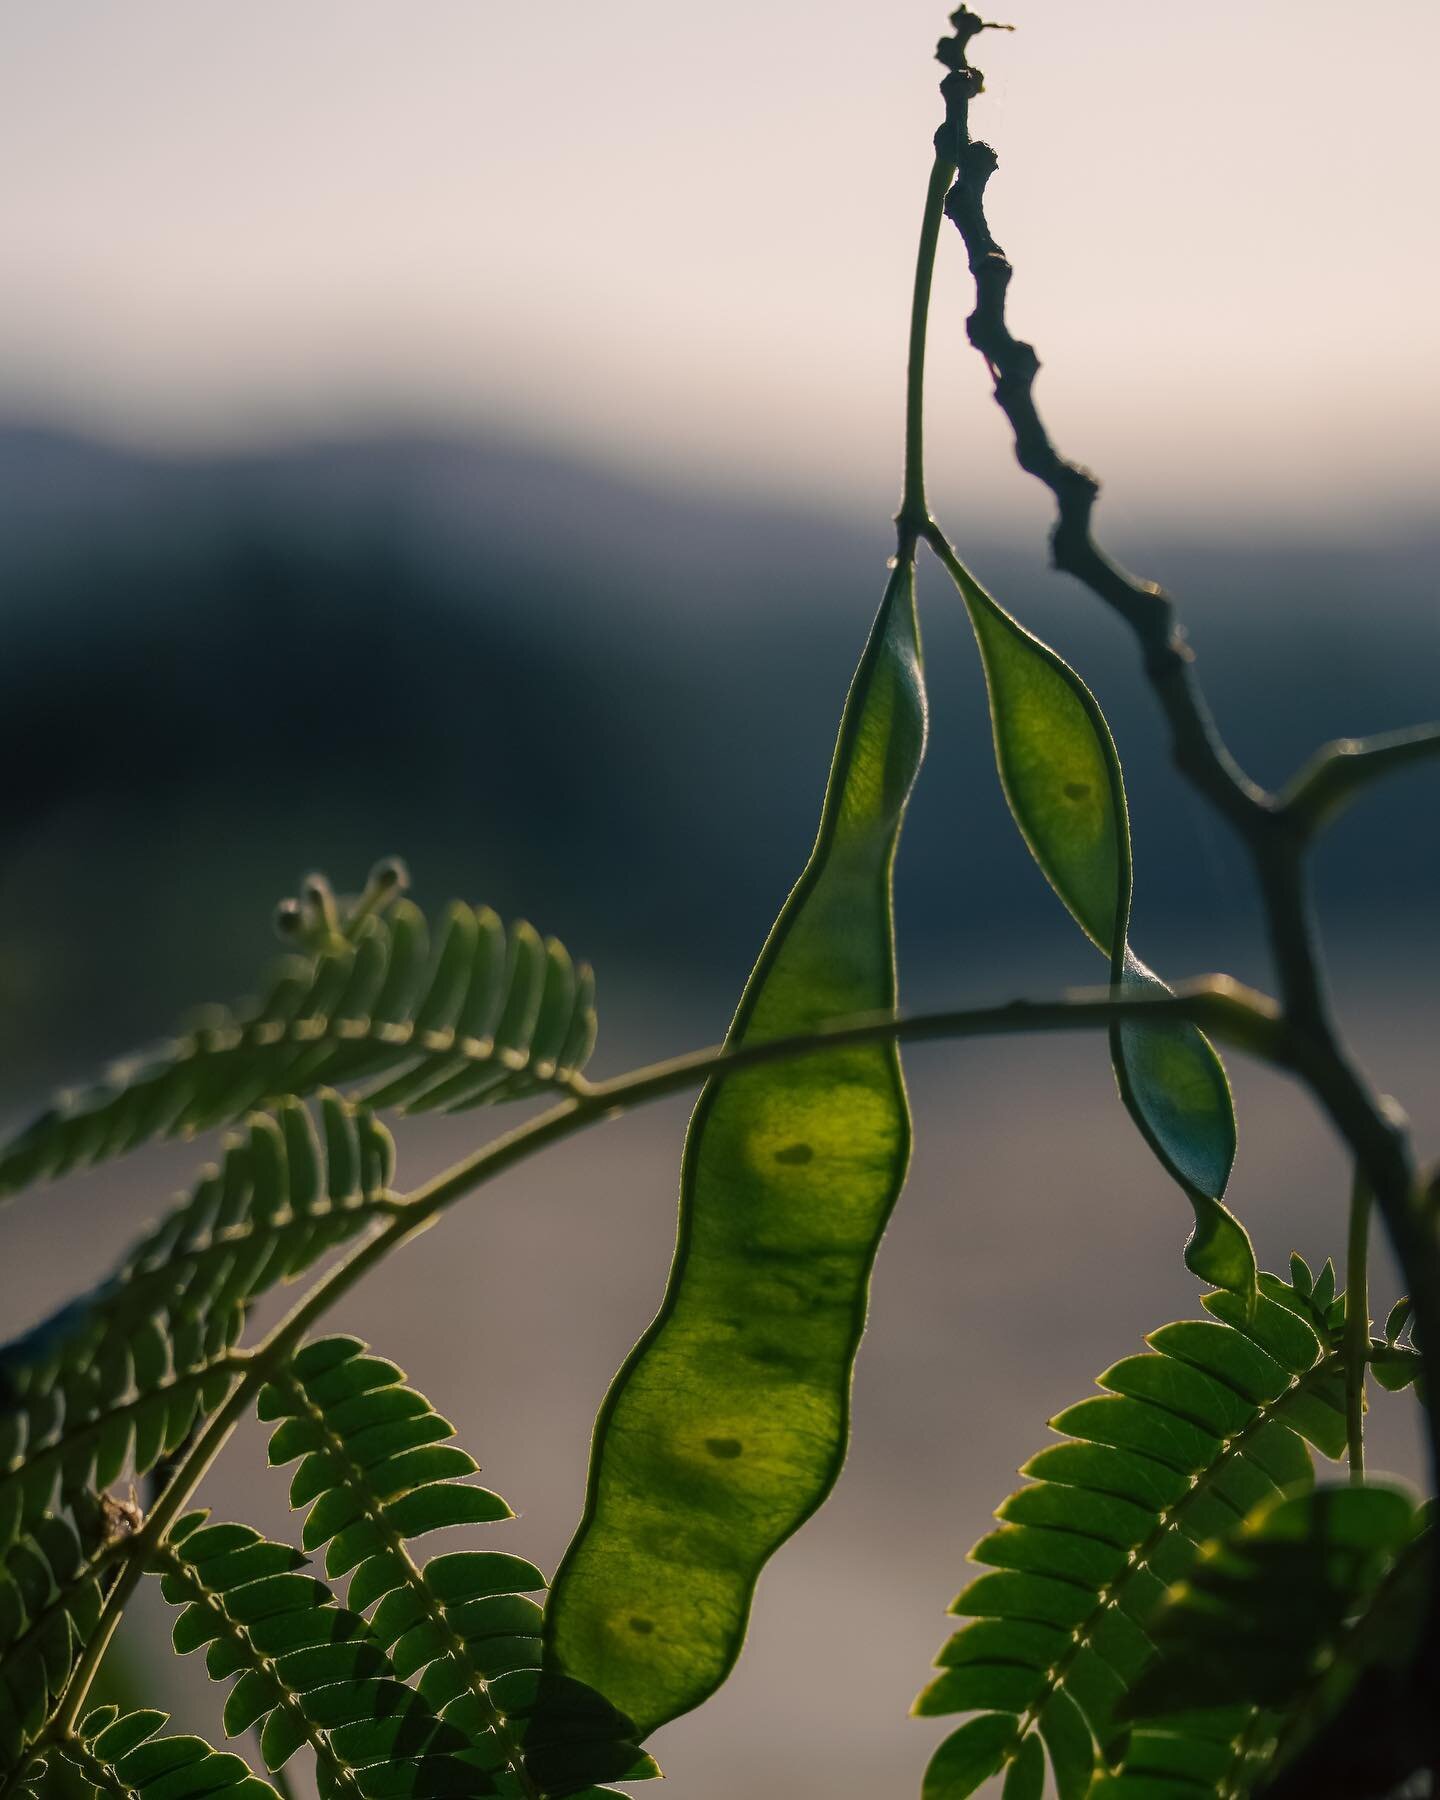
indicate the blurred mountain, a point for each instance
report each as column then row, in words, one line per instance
column 606, row 706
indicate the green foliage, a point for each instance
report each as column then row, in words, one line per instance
column 1355, row 1728
column 53, row 1579
column 1168, row 1609
column 1262, row 1607
column 1183, row 1443
column 306, row 1670
column 727, row 1426
column 377, row 1468
column 117, row 1380
column 124, row 1757
column 331, row 1393
column 489, row 1015
column 1397, row 1365
column 1061, row 775
column 1271, row 1626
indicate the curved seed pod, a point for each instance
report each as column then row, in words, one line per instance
column 727, row 1426
column 1061, row 775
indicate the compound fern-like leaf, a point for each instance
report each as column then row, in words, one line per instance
column 1179, row 1448
column 307, row 1670
column 492, row 1014
column 53, row 1580
column 117, row 1380
column 123, row 1757
column 376, row 1469
column 1256, row 1626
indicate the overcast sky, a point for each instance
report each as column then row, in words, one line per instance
column 681, row 235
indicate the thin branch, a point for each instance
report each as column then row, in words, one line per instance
column 914, row 512
column 1218, row 1004
column 1224, row 1008
column 1338, row 772
column 1357, row 1323
column 1275, row 836
column 1196, row 746
column 1013, row 364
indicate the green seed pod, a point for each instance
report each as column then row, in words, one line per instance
column 1061, row 776
column 728, row 1424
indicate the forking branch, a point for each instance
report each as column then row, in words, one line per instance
column 1276, row 831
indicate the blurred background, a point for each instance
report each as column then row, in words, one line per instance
column 471, row 431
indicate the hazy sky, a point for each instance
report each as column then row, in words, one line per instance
column 682, row 234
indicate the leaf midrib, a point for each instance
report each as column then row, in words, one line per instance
column 1168, row 1520
column 233, row 1361
column 375, row 1511
column 173, row 1561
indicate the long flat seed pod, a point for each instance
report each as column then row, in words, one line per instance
column 727, row 1426
column 1061, row 775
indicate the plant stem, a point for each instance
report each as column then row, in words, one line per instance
column 1357, row 1323
column 1218, row 1005
column 1338, row 772
column 914, row 512
column 157, row 1523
